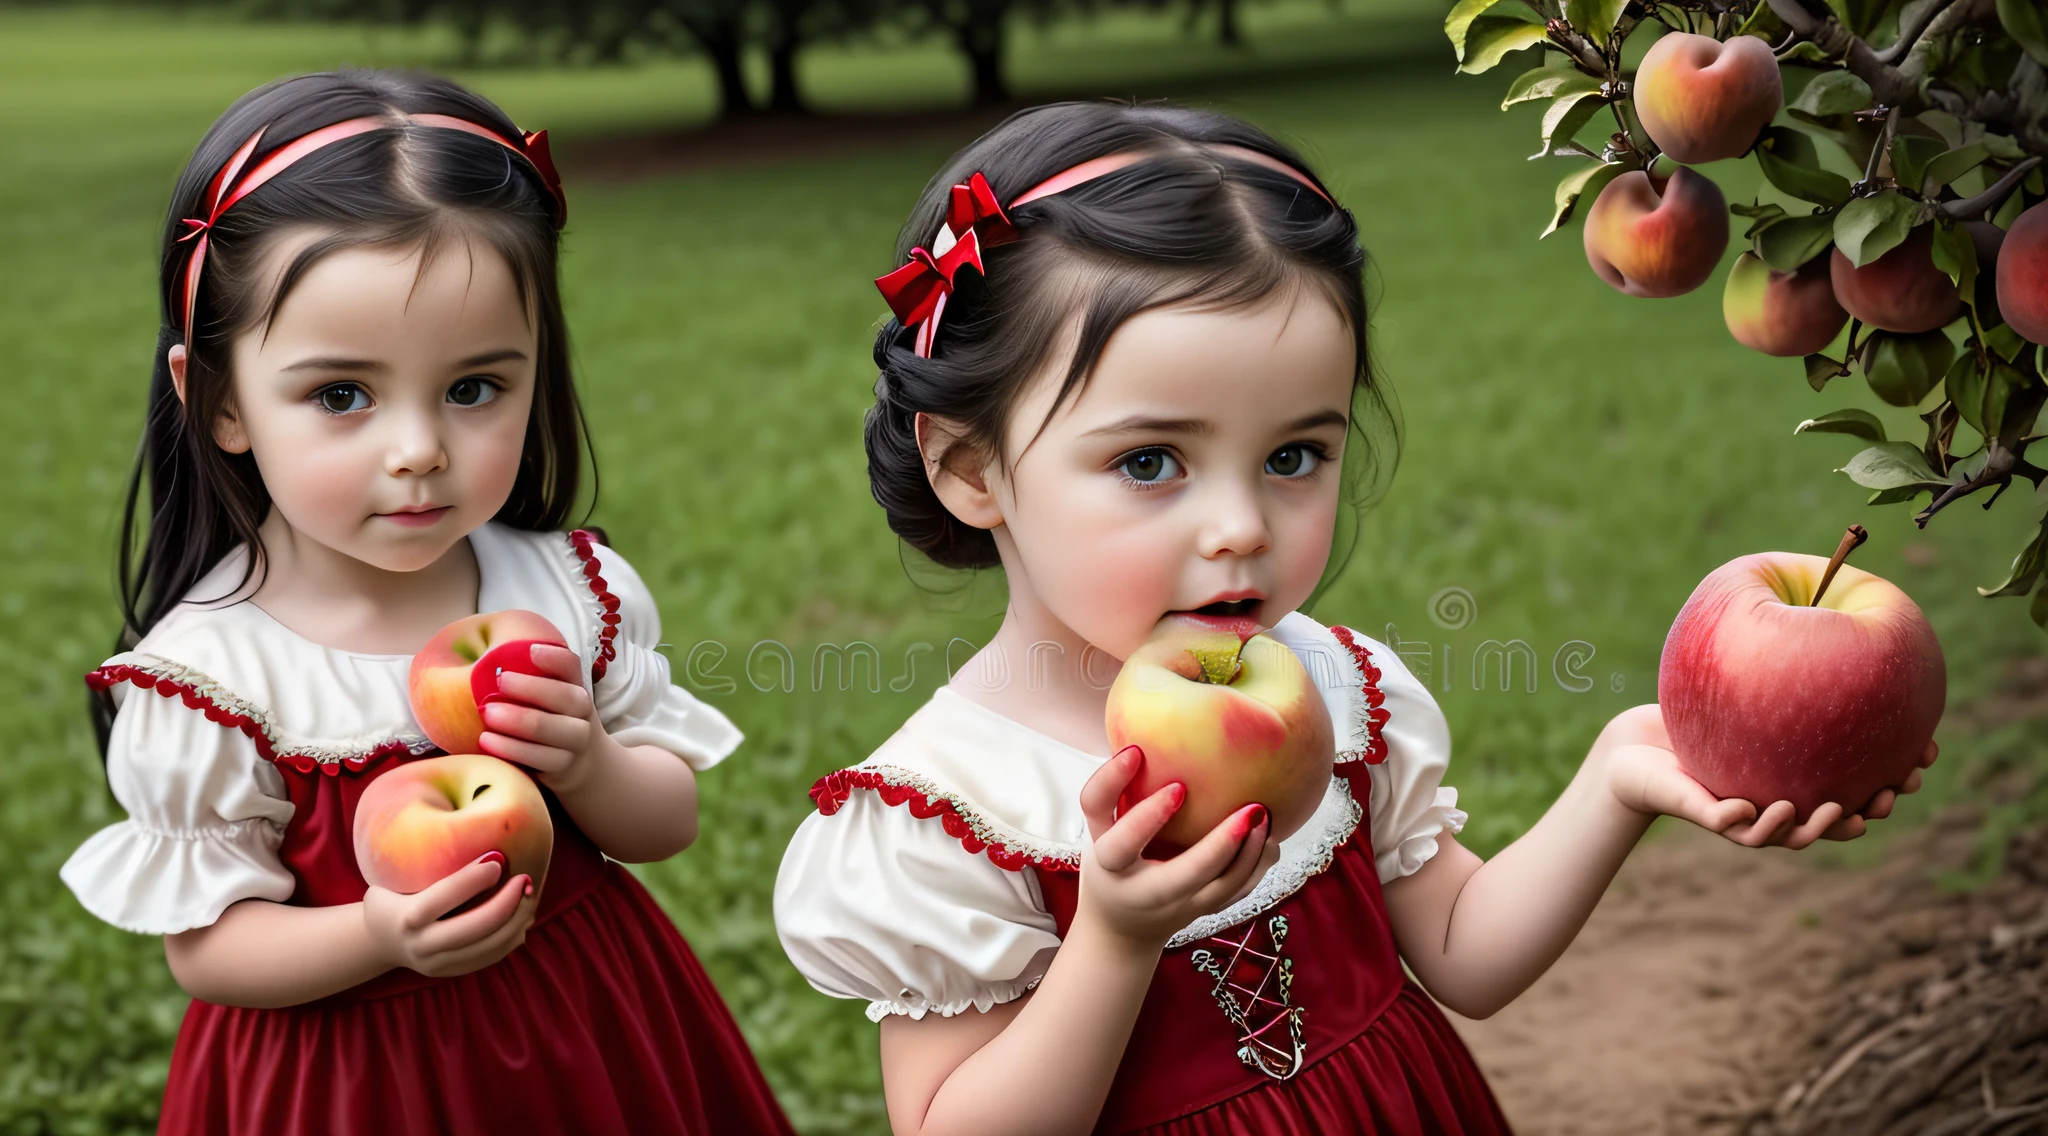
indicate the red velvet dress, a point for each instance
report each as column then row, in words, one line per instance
column 1323, row 1032
column 603, row 1022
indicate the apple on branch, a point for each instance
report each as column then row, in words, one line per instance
column 1797, row 678
column 457, row 671
column 1229, row 714
column 420, row 822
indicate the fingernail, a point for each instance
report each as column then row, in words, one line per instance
column 492, row 857
column 1241, row 822
column 1176, row 793
column 529, row 887
column 1132, row 752
column 1259, row 815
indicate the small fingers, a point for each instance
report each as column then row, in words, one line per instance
column 539, row 758
column 1212, row 856
column 1847, row 828
column 453, row 890
column 542, row 727
column 1933, row 751
column 1765, row 828
column 476, row 924
column 1823, row 819
column 1258, row 853
column 1124, row 843
column 1099, row 796
column 496, row 944
column 1911, row 784
column 557, row 662
column 1881, row 805
column 553, row 695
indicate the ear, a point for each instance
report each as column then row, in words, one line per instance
column 176, row 357
column 962, row 486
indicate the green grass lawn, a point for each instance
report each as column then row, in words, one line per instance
column 1576, row 460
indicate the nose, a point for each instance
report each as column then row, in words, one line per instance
column 415, row 447
column 1233, row 521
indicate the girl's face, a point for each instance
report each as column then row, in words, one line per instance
column 386, row 404
column 1197, row 471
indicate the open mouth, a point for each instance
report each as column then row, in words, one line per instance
column 1230, row 607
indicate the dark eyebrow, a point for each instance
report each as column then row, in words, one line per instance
column 502, row 355
column 1325, row 418
column 1140, row 423
column 335, row 363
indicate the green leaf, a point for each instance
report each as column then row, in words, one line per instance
column 1580, row 183
column 1956, row 254
column 1862, row 423
column 1965, row 386
column 2022, row 20
column 1460, row 21
column 2007, row 343
column 2026, row 568
column 1788, row 243
column 1565, row 117
column 1789, row 159
column 1910, row 155
column 1945, row 168
column 1869, row 227
column 1999, row 387
column 1890, row 465
column 1548, row 82
column 1901, row 369
column 2038, row 610
column 1894, row 496
column 1491, row 38
column 1820, row 368
column 1596, row 18
column 2003, row 147
column 1805, row 51
column 1831, row 93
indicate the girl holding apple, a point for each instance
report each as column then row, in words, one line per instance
column 1129, row 367
column 361, row 427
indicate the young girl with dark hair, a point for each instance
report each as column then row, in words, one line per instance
column 362, row 427
column 1129, row 366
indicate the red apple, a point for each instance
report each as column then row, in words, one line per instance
column 1770, row 698
column 1231, row 715
column 423, row 820
column 447, row 684
column 1702, row 100
column 1900, row 291
column 2022, row 275
column 1657, row 238
column 1781, row 313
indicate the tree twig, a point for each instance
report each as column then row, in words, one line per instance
column 1909, row 34
column 1992, row 198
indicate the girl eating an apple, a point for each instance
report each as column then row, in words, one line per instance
column 362, row 427
column 1129, row 366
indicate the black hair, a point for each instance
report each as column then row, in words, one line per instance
column 401, row 184
column 1189, row 223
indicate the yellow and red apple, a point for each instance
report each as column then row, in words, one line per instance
column 1900, row 291
column 458, row 670
column 1656, row 238
column 1702, row 100
column 425, row 819
column 1233, row 717
column 1770, row 697
column 1781, row 313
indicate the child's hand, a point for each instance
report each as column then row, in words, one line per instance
column 545, row 722
column 409, row 930
column 1644, row 775
column 1146, row 901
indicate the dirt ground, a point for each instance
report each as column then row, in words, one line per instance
column 1712, row 980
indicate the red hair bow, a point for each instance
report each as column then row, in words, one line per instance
column 917, row 291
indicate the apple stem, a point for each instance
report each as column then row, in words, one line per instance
column 1856, row 535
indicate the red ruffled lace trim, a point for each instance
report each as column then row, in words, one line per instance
column 233, row 719
column 1375, row 713
column 582, row 541
column 832, row 790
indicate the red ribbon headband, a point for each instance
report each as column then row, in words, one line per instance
column 231, row 184
column 975, row 221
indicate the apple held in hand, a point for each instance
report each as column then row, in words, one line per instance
column 1770, row 696
column 423, row 820
column 1236, row 720
column 459, row 667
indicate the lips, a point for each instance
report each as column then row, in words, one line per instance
column 417, row 517
column 1233, row 612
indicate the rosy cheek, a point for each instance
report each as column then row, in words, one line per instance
column 318, row 484
column 487, row 463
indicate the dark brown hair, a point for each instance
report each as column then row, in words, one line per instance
column 404, row 184
column 1187, row 224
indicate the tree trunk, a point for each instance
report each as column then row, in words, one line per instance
column 783, row 93
column 723, row 48
column 981, row 40
column 1227, row 32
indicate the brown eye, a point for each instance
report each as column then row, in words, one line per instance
column 343, row 398
column 1292, row 461
column 472, row 392
column 1148, row 466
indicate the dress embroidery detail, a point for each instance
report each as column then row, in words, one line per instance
column 1371, row 718
column 604, row 650
column 1007, row 849
column 1254, row 984
column 224, row 707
